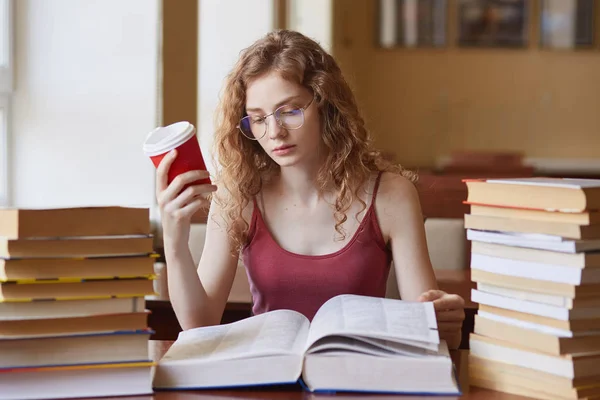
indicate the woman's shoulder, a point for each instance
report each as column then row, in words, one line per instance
column 397, row 204
column 396, row 185
column 397, row 194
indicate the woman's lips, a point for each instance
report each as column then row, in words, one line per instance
column 283, row 150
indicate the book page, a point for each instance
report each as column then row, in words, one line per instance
column 379, row 318
column 273, row 333
column 341, row 344
column 405, row 347
column 359, row 344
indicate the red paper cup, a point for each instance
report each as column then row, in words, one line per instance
column 180, row 136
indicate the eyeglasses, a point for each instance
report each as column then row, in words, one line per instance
column 288, row 117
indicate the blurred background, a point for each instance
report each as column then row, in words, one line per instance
column 452, row 89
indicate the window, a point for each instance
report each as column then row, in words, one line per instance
column 236, row 28
column 6, row 88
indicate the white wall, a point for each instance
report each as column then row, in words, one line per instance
column 225, row 28
column 313, row 18
column 86, row 95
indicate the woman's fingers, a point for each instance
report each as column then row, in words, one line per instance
column 449, row 302
column 186, row 212
column 193, row 207
column 449, row 326
column 450, row 315
column 189, row 195
column 431, row 295
column 174, row 189
column 162, row 172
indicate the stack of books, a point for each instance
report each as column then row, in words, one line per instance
column 535, row 256
column 72, row 311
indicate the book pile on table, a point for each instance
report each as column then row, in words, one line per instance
column 72, row 311
column 535, row 256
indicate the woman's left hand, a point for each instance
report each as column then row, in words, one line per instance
column 450, row 314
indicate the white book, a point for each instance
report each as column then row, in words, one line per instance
column 388, row 26
column 570, row 183
column 527, row 325
column 83, row 381
column 394, row 340
column 543, row 310
column 581, row 260
column 537, row 297
column 534, row 241
column 534, row 270
column 549, row 299
column 569, row 366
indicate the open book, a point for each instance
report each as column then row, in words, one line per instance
column 354, row 343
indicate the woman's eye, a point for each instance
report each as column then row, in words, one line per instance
column 290, row 112
column 258, row 120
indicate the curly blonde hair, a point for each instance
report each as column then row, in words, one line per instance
column 244, row 164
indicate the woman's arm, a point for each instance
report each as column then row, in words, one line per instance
column 198, row 295
column 401, row 218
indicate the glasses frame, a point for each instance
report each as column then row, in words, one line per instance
column 274, row 114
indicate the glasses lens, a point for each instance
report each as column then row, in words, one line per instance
column 290, row 117
column 252, row 129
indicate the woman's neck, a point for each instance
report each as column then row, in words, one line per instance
column 298, row 184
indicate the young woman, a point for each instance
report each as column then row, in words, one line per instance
column 302, row 196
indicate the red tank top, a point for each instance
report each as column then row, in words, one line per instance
column 280, row 279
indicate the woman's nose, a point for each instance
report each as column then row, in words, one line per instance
column 274, row 129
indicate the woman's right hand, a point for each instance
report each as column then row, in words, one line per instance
column 176, row 206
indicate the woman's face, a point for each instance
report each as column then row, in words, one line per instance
column 298, row 142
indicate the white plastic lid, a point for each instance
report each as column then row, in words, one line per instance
column 167, row 138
